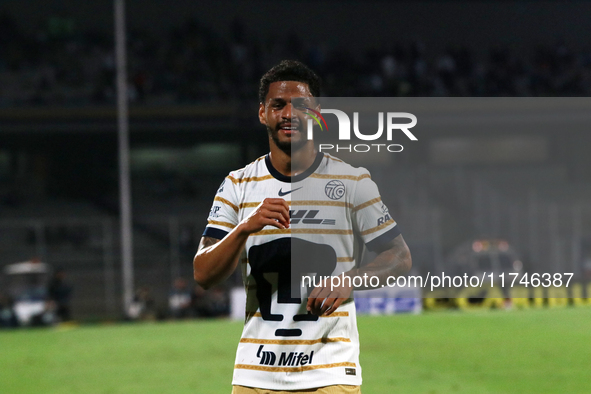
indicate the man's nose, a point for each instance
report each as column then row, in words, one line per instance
column 287, row 111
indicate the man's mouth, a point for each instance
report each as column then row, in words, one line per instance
column 289, row 128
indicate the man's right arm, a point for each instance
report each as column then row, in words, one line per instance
column 217, row 259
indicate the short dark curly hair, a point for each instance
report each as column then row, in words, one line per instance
column 289, row 70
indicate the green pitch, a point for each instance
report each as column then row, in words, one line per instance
column 535, row 351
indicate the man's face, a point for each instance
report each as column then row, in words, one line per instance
column 285, row 124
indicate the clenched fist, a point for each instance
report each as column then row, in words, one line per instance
column 270, row 212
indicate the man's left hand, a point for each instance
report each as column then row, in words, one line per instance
column 324, row 301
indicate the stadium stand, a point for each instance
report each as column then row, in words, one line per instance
column 540, row 207
column 189, row 64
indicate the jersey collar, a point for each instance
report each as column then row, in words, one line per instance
column 300, row 177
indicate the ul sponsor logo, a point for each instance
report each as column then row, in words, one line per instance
column 304, row 216
column 334, row 189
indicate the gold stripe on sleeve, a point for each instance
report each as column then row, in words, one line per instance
column 293, row 341
column 345, row 259
column 225, row 224
column 348, row 177
column 378, row 228
column 250, row 179
column 223, row 200
column 292, row 369
column 367, row 203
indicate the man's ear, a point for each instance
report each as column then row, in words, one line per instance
column 262, row 117
column 317, row 104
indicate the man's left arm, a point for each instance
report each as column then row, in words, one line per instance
column 394, row 260
column 380, row 233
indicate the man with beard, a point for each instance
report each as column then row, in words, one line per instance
column 292, row 344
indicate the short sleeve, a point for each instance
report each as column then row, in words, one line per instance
column 223, row 216
column 374, row 223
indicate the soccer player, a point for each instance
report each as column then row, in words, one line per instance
column 292, row 344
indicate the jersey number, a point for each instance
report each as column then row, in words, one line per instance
column 284, row 261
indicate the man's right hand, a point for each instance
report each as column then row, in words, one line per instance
column 215, row 261
column 270, row 212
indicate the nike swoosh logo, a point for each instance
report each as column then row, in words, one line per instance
column 282, row 193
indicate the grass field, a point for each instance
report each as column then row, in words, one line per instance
column 535, row 351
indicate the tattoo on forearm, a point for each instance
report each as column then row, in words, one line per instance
column 392, row 261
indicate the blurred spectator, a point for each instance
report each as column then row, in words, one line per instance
column 587, row 271
column 187, row 238
column 219, row 301
column 199, row 301
column 59, row 292
column 142, row 306
column 7, row 316
column 212, row 303
column 179, row 299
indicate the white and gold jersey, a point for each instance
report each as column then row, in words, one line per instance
column 335, row 211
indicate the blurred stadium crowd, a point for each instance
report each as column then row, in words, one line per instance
column 51, row 211
column 62, row 64
column 184, row 302
column 36, row 302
